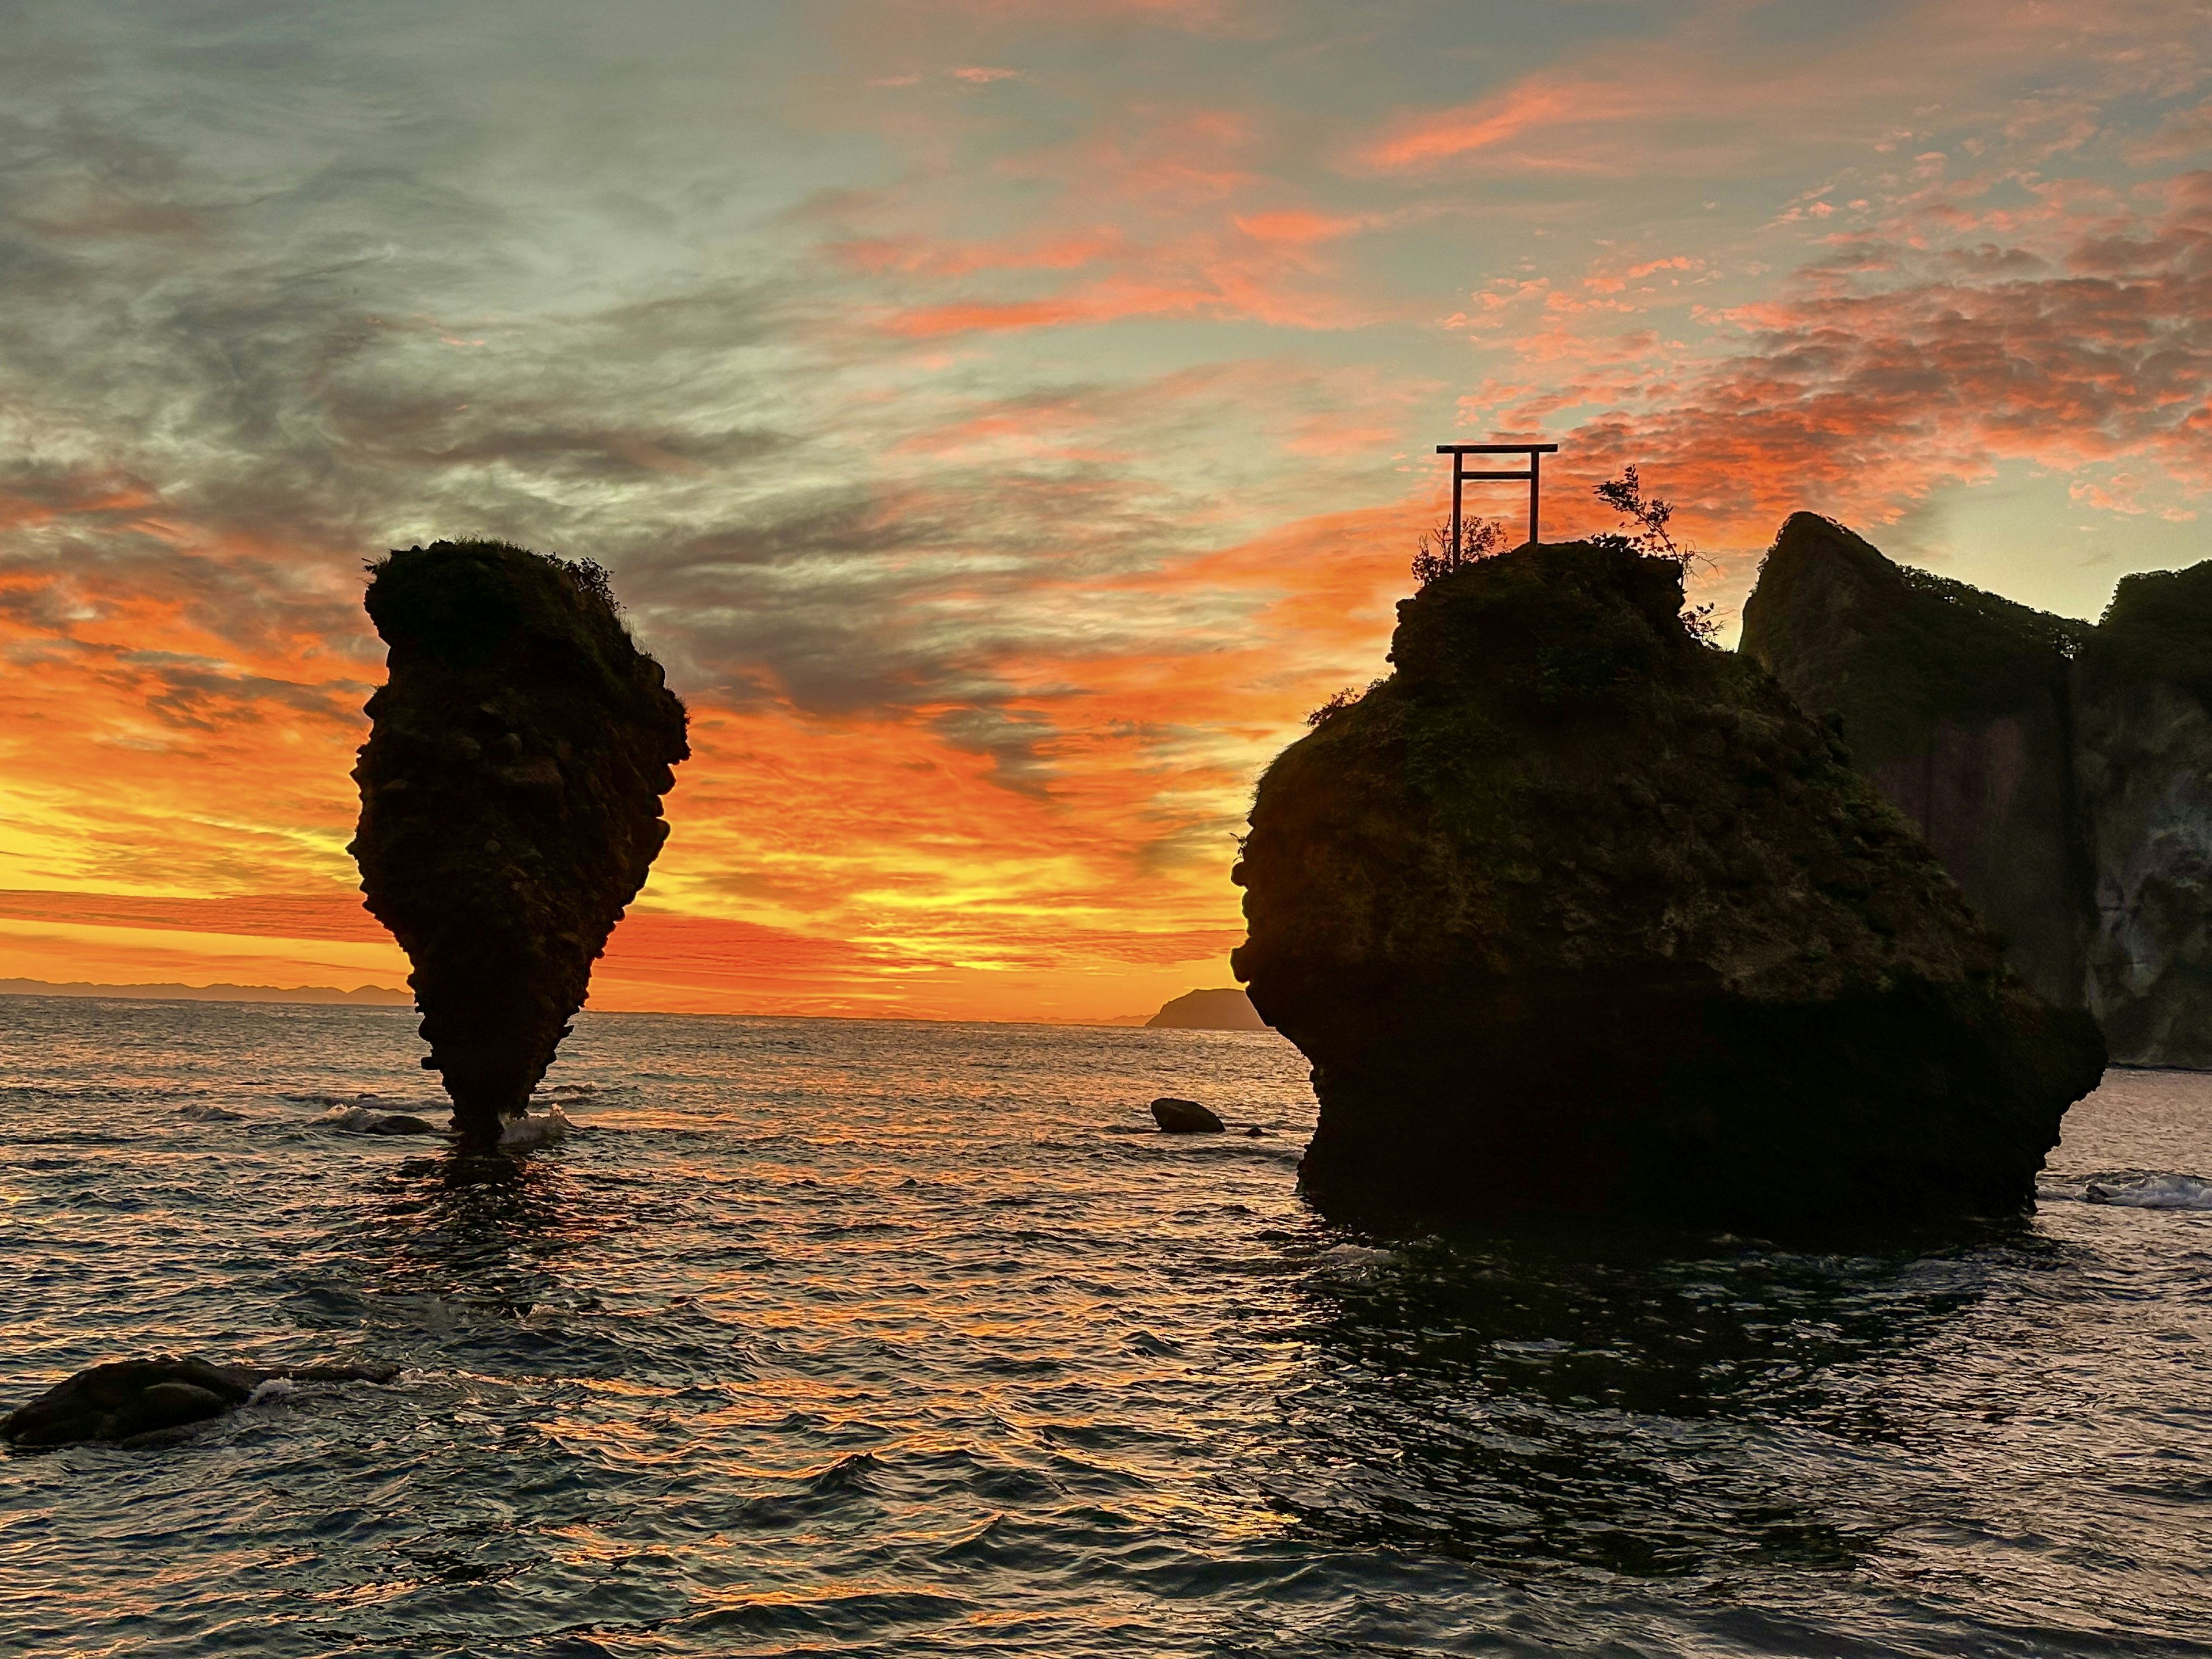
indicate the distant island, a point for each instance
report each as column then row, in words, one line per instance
column 374, row 995
column 1209, row 1011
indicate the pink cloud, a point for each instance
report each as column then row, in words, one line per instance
column 1874, row 379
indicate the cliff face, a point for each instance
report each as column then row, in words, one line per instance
column 2143, row 683
column 1956, row 702
column 1574, row 913
column 2069, row 797
column 510, row 801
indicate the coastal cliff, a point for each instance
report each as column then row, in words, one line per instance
column 2142, row 686
column 510, row 801
column 1576, row 913
column 2058, row 769
column 1956, row 703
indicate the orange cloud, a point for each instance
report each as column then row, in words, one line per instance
column 1423, row 140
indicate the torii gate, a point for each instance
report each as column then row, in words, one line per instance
column 1459, row 452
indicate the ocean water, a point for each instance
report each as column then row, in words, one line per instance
column 826, row 1337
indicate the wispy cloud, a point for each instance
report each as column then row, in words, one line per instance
column 1002, row 464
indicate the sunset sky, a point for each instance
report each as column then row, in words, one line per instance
column 1005, row 418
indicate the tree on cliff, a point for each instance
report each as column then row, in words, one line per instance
column 1650, row 517
column 1439, row 557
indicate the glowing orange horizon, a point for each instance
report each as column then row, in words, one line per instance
column 1006, row 421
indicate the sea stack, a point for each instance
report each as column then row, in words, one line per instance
column 1576, row 914
column 510, row 801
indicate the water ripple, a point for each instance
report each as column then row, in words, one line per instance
column 831, row 1337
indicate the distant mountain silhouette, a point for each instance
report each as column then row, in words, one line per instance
column 1229, row 1010
column 372, row 995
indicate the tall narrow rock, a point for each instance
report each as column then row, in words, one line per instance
column 1574, row 913
column 1956, row 702
column 2143, row 684
column 510, row 801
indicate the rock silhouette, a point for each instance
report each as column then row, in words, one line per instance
column 2059, row 769
column 1185, row 1117
column 1229, row 1010
column 510, row 795
column 1956, row 703
column 141, row 1401
column 1575, row 913
column 2143, row 764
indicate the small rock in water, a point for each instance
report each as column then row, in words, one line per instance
column 1185, row 1117
column 360, row 1121
column 147, row 1401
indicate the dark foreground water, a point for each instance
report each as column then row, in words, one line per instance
column 892, row 1338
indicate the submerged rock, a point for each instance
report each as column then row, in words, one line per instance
column 1574, row 913
column 140, row 1401
column 360, row 1121
column 2058, row 769
column 1185, row 1117
column 510, row 801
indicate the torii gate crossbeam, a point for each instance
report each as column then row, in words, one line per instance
column 1461, row 477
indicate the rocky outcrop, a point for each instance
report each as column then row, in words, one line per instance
column 2058, row 769
column 1956, row 702
column 1229, row 1010
column 2143, row 684
column 144, row 1401
column 1185, row 1117
column 1573, row 912
column 510, row 797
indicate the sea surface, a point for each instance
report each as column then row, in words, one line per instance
column 831, row 1337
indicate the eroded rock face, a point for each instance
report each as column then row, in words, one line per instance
column 2143, row 683
column 510, row 795
column 1957, row 703
column 1575, row 914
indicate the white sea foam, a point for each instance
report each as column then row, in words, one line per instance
column 356, row 1118
column 546, row 1129
column 274, row 1388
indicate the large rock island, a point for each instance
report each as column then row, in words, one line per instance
column 1575, row 912
column 510, row 801
column 2058, row 769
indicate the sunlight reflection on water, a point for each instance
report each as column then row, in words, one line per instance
column 882, row 1338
